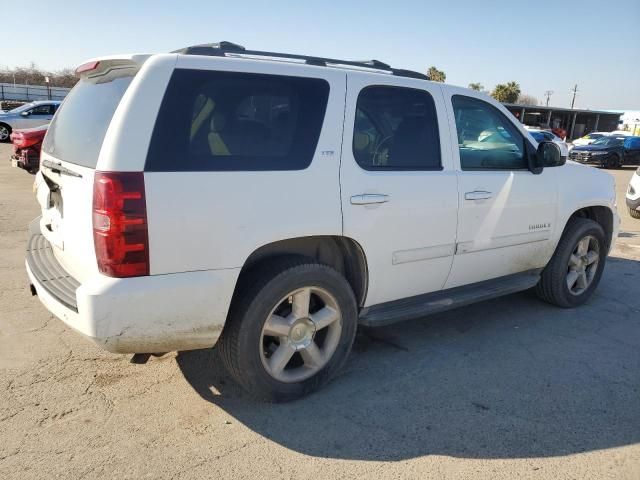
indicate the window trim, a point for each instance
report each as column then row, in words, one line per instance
column 383, row 168
column 526, row 144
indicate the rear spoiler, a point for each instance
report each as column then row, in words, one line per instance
column 103, row 65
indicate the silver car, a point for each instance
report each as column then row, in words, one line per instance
column 29, row 115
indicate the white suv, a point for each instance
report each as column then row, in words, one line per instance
column 272, row 202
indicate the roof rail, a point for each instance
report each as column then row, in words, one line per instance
column 222, row 49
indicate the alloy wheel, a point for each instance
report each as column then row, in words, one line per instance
column 583, row 265
column 300, row 335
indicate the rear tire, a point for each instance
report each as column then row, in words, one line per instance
column 634, row 213
column 574, row 271
column 5, row 131
column 290, row 328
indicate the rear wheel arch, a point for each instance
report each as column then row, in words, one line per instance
column 343, row 254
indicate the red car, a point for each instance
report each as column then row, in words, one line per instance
column 27, row 144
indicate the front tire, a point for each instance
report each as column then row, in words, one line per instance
column 574, row 271
column 634, row 213
column 290, row 328
column 613, row 161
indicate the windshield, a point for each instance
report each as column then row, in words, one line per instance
column 593, row 135
column 21, row 108
column 78, row 129
column 609, row 141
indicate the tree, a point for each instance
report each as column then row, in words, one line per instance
column 32, row 75
column 478, row 87
column 524, row 99
column 506, row 93
column 436, row 75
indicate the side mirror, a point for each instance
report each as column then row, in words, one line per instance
column 547, row 155
column 26, row 114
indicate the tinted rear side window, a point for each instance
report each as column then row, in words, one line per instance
column 230, row 121
column 78, row 129
column 396, row 129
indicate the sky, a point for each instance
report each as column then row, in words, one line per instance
column 542, row 45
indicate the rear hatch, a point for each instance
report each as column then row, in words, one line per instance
column 70, row 151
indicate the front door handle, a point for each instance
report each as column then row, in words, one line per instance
column 478, row 195
column 369, row 199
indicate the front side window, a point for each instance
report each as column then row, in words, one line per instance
column 487, row 140
column 42, row 110
column 231, row 121
column 396, row 129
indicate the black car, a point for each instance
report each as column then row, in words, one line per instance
column 609, row 151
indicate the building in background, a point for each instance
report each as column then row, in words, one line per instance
column 575, row 122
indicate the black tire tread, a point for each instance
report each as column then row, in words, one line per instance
column 250, row 283
column 551, row 282
column 634, row 213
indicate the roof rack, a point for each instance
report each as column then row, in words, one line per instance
column 222, row 49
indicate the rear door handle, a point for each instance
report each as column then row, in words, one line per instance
column 369, row 198
column 478, row 195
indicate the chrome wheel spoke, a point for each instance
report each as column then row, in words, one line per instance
column 280, row 358
column 581, row 281
column 324, row 317
column 583, row 246
column 312, row 356
column 300, row 304
column 572, row 277
column 276, row 326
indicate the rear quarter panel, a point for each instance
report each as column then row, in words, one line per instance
column 215, row 220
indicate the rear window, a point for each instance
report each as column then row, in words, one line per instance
column 230, row 121
column 78, row 129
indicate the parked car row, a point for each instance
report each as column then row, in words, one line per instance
column 609, row 151
column 29, row 115
column 547, row 135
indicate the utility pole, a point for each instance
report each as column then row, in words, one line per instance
column 548, row 94
column 574, row 91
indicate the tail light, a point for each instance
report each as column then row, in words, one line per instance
column 27, row 138
column 120, row 224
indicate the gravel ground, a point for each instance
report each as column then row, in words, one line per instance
column 503, row 389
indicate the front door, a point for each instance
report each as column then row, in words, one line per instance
column 507, row 214
column 398, row 187
column 37, row 116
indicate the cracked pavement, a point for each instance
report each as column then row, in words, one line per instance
column 504, row 389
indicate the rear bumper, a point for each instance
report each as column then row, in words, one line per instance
column 151, row 314
column 27, row 160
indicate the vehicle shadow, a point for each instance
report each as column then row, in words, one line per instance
column 508, row 378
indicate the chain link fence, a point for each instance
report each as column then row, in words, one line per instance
column 29, row 93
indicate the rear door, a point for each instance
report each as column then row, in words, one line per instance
column 399, row 192
column 68, row 161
